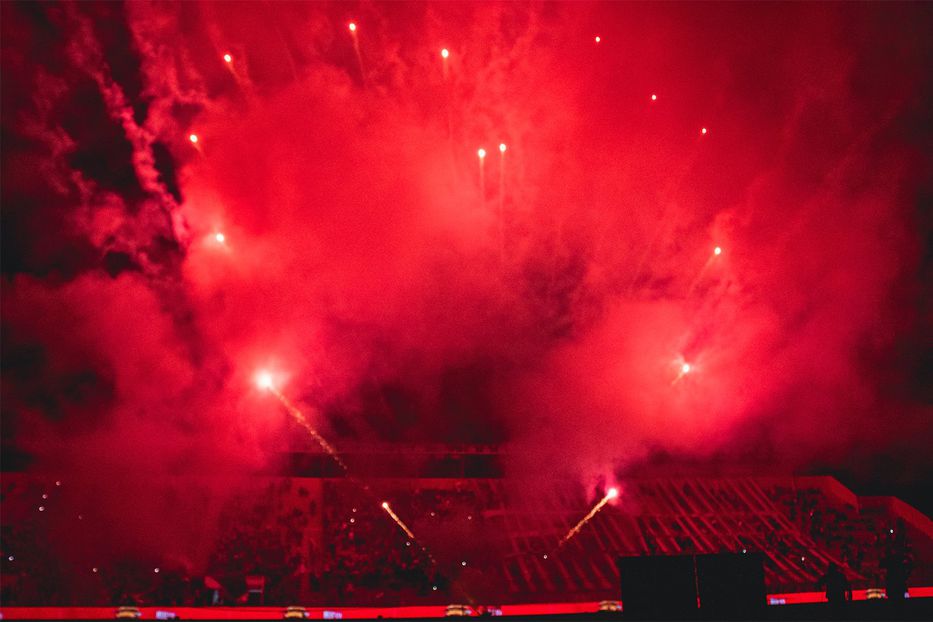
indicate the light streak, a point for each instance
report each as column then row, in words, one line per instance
column 356, row 48
column 265, row 381
column 611, row 494
column 502, row 149
column 398, row 521
column 482, row 173
column 193, row 138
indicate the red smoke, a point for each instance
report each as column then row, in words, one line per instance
column 359, row 257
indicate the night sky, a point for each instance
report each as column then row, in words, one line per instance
column 334, row 226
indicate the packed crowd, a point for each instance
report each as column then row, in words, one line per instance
column 313, row 541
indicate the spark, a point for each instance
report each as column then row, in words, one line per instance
column 597, row 39
column 220, row 237
column 502, row 148
column 717, row 251
column 193, row 138
column 445, row 53
column 482, row 174
column 94, row 569
column 155, row 570
column 228, row 59
column 356, row 49
column 683, row 369
column 264, row 380
column 611, row 494
column 654, row 97
column 398, row 521
column 703, row 131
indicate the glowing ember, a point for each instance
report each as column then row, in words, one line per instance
column 193, row 138
column 228, row 58
column 481, row 153
column 685, row 368
column 717, row 251
column 445, row 53
column 352, row 27
column 220, row 238
column 597, row 39
column 502, row 147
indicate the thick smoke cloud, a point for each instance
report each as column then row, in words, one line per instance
column 368, row 266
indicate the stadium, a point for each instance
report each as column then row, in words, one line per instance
column 418, row 310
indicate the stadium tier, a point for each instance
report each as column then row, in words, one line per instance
column 315, row 541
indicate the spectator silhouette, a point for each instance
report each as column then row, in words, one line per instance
column 836, row 586
column 896, row 571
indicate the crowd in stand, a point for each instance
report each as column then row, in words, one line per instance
column 284, row 545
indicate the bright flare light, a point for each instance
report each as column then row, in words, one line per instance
column 654, row 97
column 597, row 39
column 612, row 493
column 264, row 380
column 481, row 153
column 193, row 138
column 445, row 53
column 352, row 26
column 703, row 131
column 220, row 237
column 717, row 251
column 502, row 147
column 685, row 368
column 228, row 59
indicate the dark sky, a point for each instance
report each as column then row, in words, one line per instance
column 398, row 289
